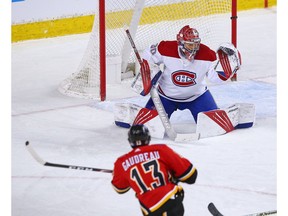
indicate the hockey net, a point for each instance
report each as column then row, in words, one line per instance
column 149, row 22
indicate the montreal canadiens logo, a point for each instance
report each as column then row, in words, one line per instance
column 183, row 78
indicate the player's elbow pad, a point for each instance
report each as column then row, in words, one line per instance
column 192, row 178
column 120, row 190
column 189, row 176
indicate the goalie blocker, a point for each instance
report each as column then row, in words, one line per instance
column 209, row 124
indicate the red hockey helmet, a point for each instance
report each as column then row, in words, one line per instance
column 188, row 42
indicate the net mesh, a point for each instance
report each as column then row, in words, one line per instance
column 159, row 20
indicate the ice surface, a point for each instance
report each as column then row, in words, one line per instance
column 237, row 171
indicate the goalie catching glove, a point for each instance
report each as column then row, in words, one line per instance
column 230, row 60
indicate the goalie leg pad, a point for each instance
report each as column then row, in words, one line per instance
column 144, row 115
column 218, row 122
column 125, row 113
column 213, row 123
column 247, row 115
column 152, row 121
column 244, row 117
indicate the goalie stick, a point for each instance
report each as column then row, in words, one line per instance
column 171, row 133
column 215, row 212
column 159, row 106
column 45, row 163
column 146, row 78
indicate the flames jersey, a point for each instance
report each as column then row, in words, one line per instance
column 182, row 80
column 148, row 171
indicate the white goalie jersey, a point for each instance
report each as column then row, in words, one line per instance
column 182, row 80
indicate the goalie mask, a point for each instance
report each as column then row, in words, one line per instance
column 138, row 135
column 188, row 42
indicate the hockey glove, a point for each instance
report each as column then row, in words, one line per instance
column 230, row 60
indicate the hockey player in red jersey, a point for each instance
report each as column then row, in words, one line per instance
column 153, row 171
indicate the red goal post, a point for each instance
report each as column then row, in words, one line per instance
column 234, row 28
column 109, row 59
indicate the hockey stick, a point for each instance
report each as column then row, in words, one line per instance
column 159, row 106
column 214, row 211
column 45, row 163
column 134, row 47
column 146, row 77
column 172, row 134
column 135, row 51
column 263, row 213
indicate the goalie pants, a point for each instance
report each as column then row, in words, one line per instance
column 173, row 207
column 203, row 103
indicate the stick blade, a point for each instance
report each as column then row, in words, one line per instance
column 34, row 154
column 213, row 210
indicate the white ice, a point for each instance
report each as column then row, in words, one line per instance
column 237, row 171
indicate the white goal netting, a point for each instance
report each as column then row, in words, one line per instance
column 149, row 22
